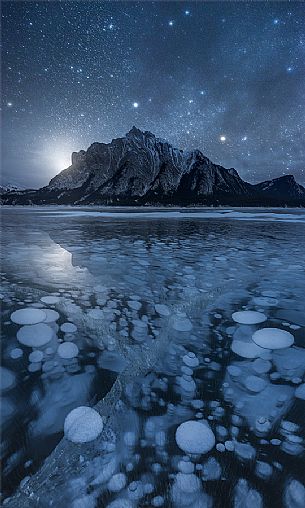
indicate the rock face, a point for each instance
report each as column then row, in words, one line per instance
column 142, row 169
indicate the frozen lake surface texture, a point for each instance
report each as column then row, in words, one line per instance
column 153, row 358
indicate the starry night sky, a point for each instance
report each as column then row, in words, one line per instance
column 225, row 77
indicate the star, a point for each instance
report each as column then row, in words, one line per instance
column 135, row 104
column 171, row 23
column 187, row 13
column 9, row 104
column 222, row 138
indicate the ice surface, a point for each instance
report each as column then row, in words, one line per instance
column 273, row 338
column 83, row 424
column 28, row 316
column 145, row 376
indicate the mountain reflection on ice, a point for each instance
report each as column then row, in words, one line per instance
column 137, row 323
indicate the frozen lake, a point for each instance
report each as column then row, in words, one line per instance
column 143, row 315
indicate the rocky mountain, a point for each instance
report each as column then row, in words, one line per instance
column 141, row 169
column 9, row 188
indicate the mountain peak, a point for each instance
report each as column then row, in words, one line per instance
column 134, row 132
column 137, row 133
column 286, row 178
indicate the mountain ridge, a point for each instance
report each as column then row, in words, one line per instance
column 142, row 169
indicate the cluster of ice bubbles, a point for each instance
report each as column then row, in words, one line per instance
column 188, row 443
column 40, row 348
column 257, row 384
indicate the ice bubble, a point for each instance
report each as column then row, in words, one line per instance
column 134, row 304
column 96, row 314
column 249, row 317
column 234, row 371
column 261, row 366
column 187, row 483
column 28, row 316
column 36, row 356
column 157, row 501
column 120, row 503
column 162, row 309
column 270, row 293
column 211, row 469
column 229, row 445
column 262, row 426
column 49, row 300
column 300, row 392
column 117, row 482
column 52, row 315
column 255, row 384
column 7, row 379
column 67, row 350
column 135, row 490
column 246, row 497
column 130, row 438
column 265, row 301
column 263, row 470
column 190, row 359
column 84, row 502
column 186, row 466
column 247, row 349
column 16, row 353
column 273, row 338
column 290, row 362
column 35, row 335
column 83, row 424
column 294, row 496
column 68, row 328
column 182, row 324
column 34, row 367
column 244, row 451
column 195, row 437
column 187, row 383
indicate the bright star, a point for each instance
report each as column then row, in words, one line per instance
column 222, row 138
column 186, row 13
column 289, row 69
column 276, row 21
column 135, row 104
column 171, row 23
column 9, row 104
column 244, row 138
